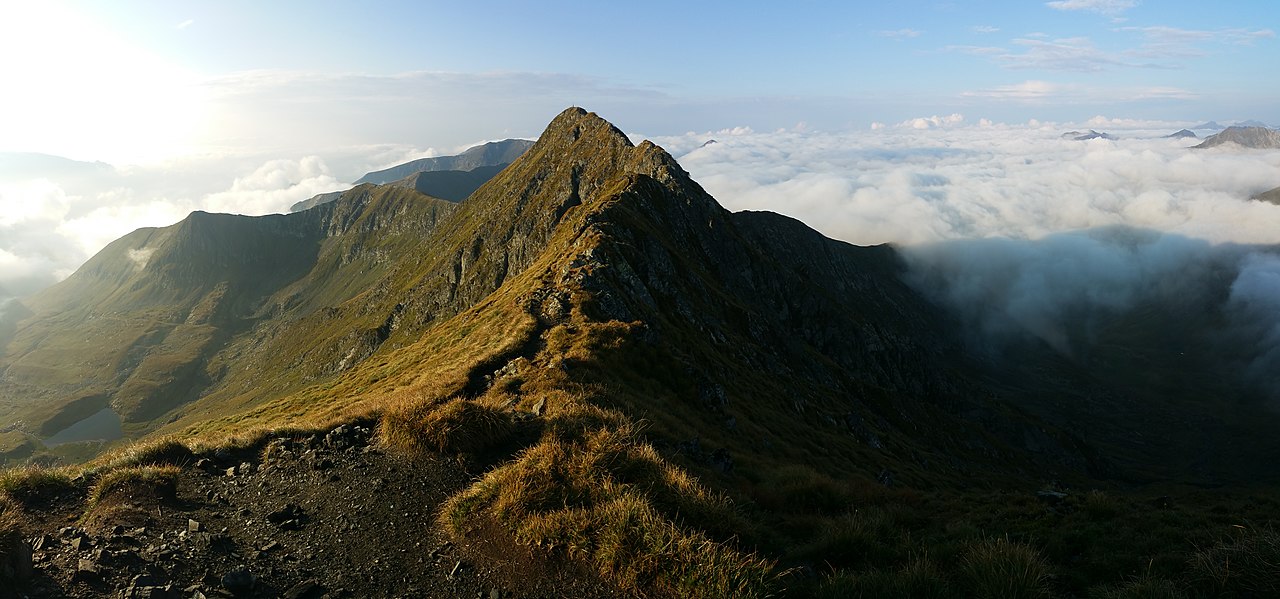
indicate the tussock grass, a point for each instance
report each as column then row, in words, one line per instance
column 35, row 485
column 605, row 497
column 1100, row 506
column 919, row 578
column 867, row 537
column 457, row 426
column 1141, row 587
column 1245, row 563
column 1002, row 569
column 165, row 451
column 158, row 482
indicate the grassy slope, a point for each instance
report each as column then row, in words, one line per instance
column 556, row 322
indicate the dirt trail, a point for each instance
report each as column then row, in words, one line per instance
column 324, row 516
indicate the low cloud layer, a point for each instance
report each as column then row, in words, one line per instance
column 913, row 185
column 1026, row 235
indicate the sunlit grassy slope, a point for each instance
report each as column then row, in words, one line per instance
column 690, row 401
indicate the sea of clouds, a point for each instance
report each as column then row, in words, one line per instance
column 1023, row 232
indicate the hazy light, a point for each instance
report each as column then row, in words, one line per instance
column 78, row 90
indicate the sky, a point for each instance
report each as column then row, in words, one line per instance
column 138, row 81
column 904, row 122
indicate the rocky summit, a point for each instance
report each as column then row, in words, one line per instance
column 587, row 378
column 1256, row 137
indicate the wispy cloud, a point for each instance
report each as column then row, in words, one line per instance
column 1159, row 47
column 1103, row 7
column 984, row 29
column 185, row 24
column 1036, row 91
column 1173, row 42
column 899, row 34
column 976, row 50
column 1027, row 91
column 1066, row 54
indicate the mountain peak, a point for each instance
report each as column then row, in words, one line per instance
column 1248, row 137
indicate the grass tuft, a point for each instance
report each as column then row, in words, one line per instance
column 457, row 426
column 605, row 497
column 1002, row 569
column 1142, row 587
column 1245, row 563
column 121, row 484
column 166, row 451
column 35, row 485
column 1100, row 506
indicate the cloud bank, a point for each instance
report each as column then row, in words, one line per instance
column 1028, row 236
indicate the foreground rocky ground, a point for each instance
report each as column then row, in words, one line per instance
column 318, row 516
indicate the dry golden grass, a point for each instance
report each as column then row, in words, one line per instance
column 604, row 496
column 35, row 485
column 456, row 426
column 164, row 451
column 132, row 482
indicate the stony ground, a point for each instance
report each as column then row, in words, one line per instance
column 320, row 516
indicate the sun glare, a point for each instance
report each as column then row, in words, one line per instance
column 80, row 90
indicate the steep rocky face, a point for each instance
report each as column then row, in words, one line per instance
column 1249, row 137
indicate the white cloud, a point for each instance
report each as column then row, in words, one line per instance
column 1025, row 234
column 274, row 186
column 1105, row 7
column 933, row 122
column 1065, row 54
column 900, row 34
column 1036, row 91
column 984, row 29
column 1032, row 90
column 913, row 186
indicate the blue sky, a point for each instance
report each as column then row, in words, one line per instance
column 220, row 76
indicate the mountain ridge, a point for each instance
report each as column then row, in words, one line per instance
column 486, row 154
column 1249, row 137
column 683, row 400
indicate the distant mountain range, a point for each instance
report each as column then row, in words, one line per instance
column 30, row 165
column 1090, row 134
column 488, row 154
column 1248, row 137
column 1183, row 134
column 453, row 178
column 1214, row 126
